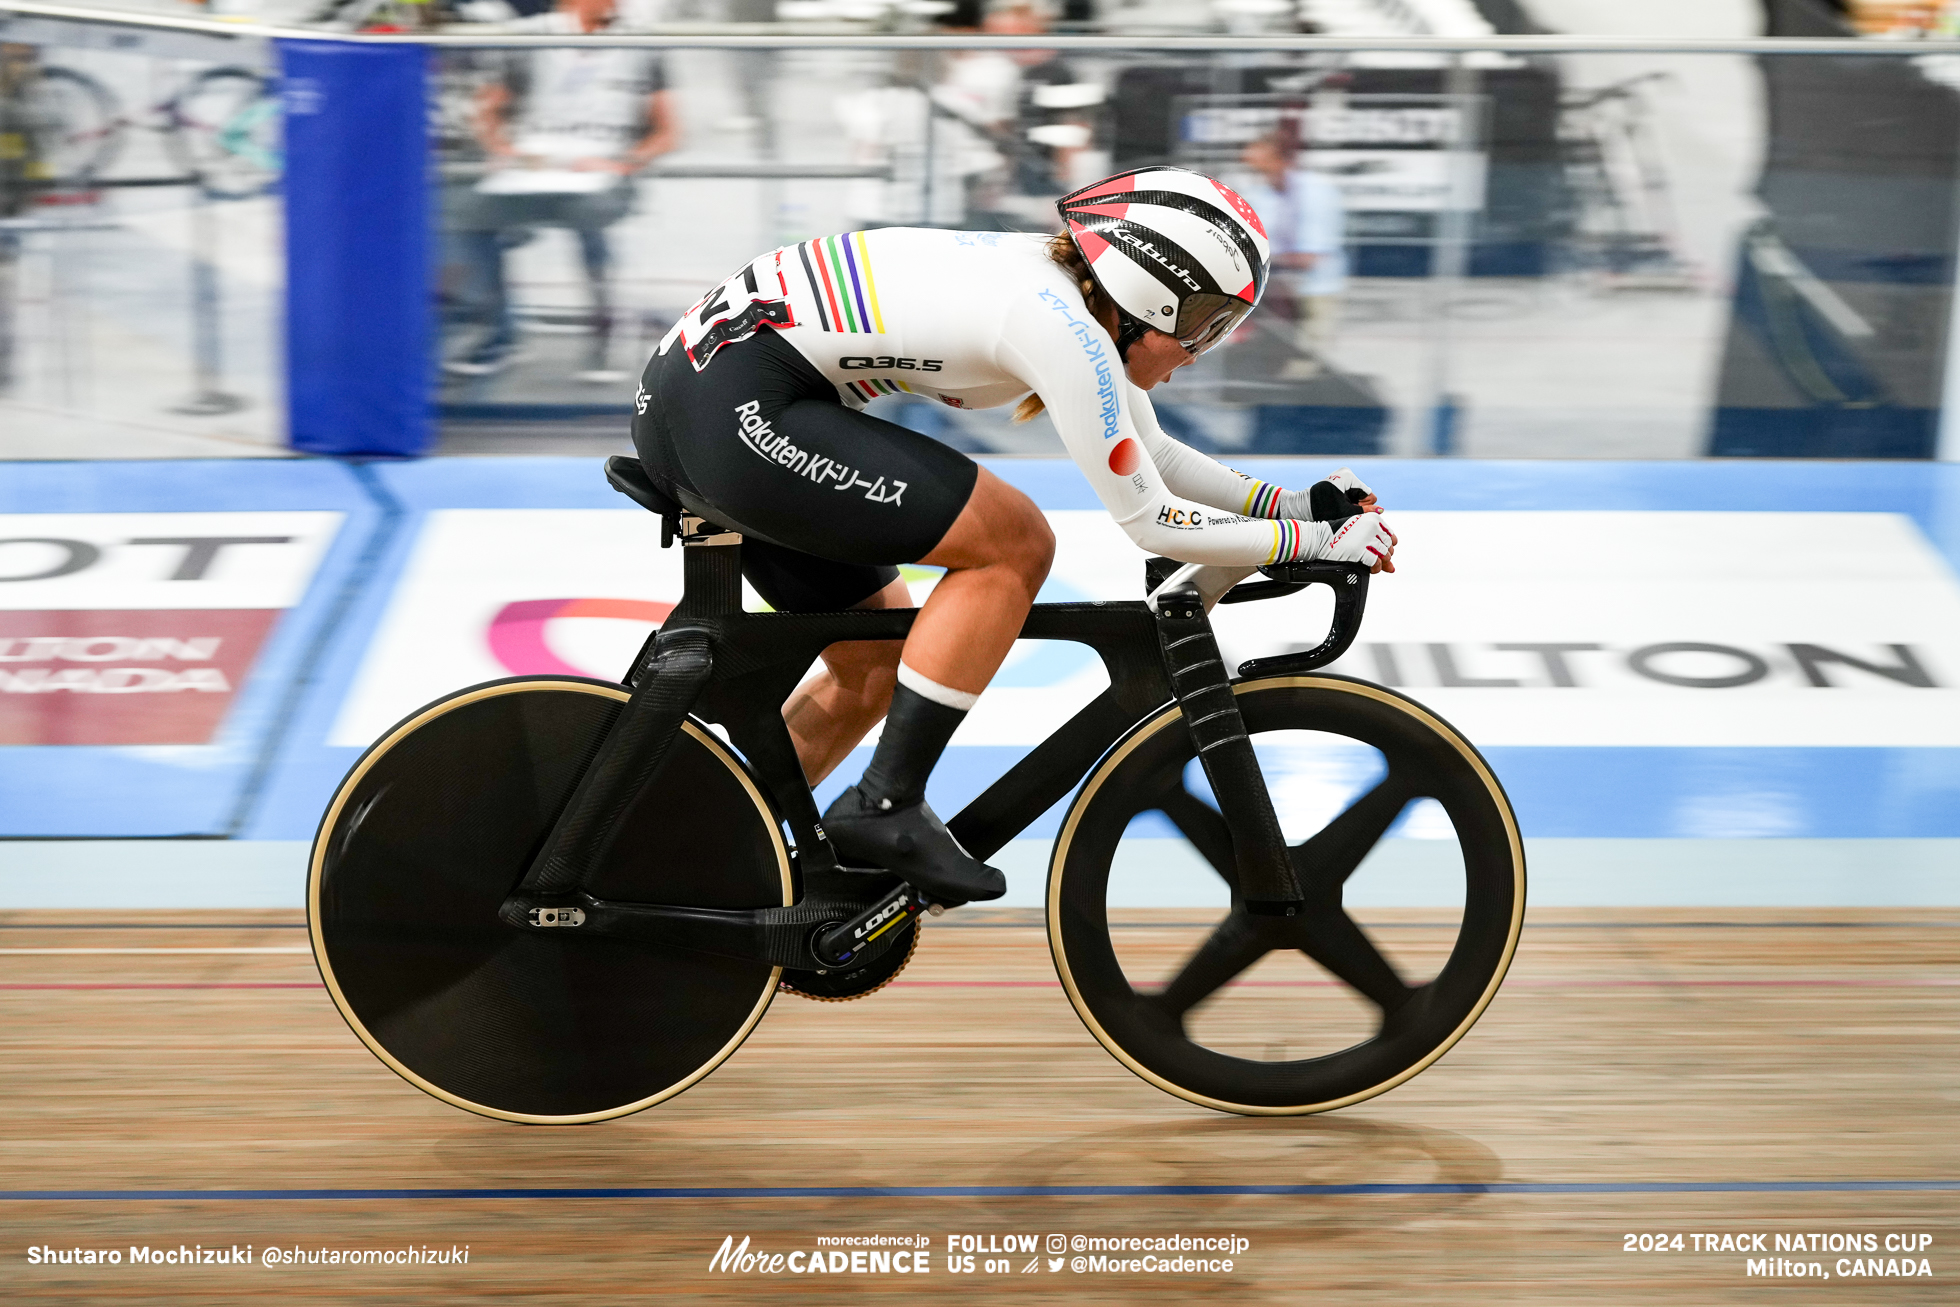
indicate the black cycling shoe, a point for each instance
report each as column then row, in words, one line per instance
column 911, row 842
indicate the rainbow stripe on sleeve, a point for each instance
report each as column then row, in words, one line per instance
column 1262, row 500
column 872, row 387
column 1286, row 540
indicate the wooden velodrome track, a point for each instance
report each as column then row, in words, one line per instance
column 1663, row 1071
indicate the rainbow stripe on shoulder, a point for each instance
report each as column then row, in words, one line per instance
column 838, row 269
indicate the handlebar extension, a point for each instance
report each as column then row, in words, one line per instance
column 1348, row 581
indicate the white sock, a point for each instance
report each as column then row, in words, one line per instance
column 927, row 688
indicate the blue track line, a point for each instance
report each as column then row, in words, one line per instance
column 1500, row 1189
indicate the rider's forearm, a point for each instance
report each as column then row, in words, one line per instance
column 1193, row 533
column 1192, row 475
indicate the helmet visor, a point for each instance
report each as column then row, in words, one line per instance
column 1204, row 320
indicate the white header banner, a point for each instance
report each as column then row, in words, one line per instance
column 1708, row 629
column 71, row 561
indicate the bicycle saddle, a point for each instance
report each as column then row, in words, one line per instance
column 629, row 478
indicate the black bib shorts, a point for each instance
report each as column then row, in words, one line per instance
column 828, row 499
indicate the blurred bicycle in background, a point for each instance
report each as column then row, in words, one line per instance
column 221, row 129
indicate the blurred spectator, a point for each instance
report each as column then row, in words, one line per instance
column 994, row 107
column 930, row 158
column 936, row 141
column 974, row 101
column 1306, row 223
column 755, row 75
column 1046, row 131
column 961, row 16
column 565, row 130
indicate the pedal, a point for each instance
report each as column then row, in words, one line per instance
column 884, row 920
column 557, row 916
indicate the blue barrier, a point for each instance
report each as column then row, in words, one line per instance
column 358, row 336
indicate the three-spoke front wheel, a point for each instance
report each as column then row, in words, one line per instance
column 1282, row 1016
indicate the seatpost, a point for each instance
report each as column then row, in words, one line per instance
column 1198, row 678
column 711, row 571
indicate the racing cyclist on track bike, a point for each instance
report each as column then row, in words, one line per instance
column 749, row 416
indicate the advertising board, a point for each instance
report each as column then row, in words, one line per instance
column 1706, row 655
column 139, row 628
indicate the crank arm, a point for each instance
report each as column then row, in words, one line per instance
column 809, row 936
column 779, row 936
column 857, row 940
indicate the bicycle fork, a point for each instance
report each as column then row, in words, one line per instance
column 1267, row 885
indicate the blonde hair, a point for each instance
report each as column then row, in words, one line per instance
column 1064, row 255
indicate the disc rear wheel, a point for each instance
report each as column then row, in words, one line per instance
column 435, row 826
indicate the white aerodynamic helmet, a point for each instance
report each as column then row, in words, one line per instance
column 1174, row 249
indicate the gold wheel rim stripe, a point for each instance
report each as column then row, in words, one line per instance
column 1172, row 714
column 332, row 820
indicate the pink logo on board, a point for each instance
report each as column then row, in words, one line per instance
column 516, row 633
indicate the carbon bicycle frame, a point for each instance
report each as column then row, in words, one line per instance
column 715, row 661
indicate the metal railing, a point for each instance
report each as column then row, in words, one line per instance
column 832, row 36
column 1432, row 302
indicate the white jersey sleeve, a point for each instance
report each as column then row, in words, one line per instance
column 1199, row 476
column 1049, row 341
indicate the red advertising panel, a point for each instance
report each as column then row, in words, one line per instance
column 134, row 676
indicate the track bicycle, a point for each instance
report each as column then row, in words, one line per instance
column 554, row 899
column 221, row 129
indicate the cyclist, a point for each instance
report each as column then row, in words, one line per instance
column 750, row 416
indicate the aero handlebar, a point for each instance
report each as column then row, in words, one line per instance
column 1216, row 585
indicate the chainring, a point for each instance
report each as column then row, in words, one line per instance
column 843, row 986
